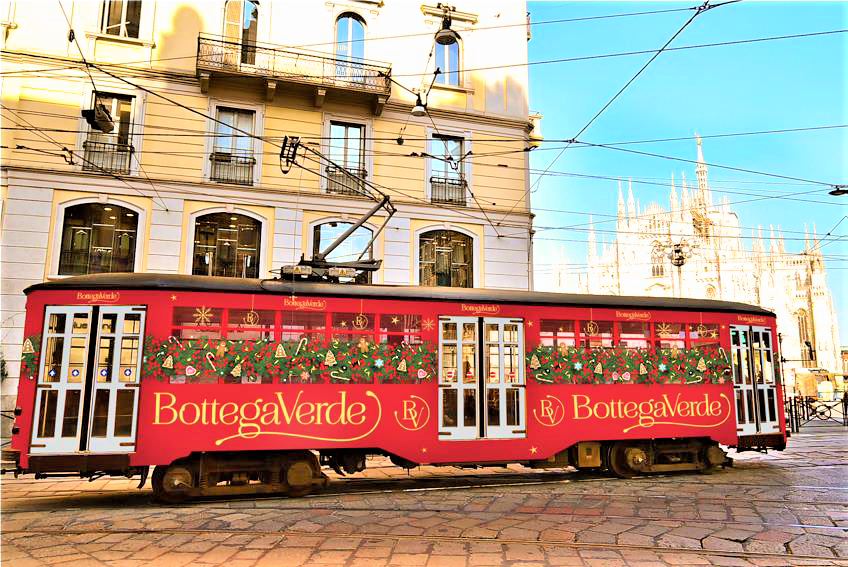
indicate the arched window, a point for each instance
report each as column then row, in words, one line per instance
column 808, row 352
column 447, row 60
column 98, row 238
column 326, row 233
column 446, row 258
column 350, row 47
column 657, row 262
column 241, row 22
column 226, row 244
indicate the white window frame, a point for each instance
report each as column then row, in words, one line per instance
column 263, row 235
column 136, row 117
column 338, row 13
column 98, row 12
column 416, row 252
column 368, row 148
column 460, row 76
column 466, row 165
column 258, row 128
column 141, row 235
column 377, row 251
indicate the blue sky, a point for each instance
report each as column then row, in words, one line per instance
column 793, row 83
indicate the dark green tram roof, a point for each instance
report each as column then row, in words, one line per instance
column 476, row 295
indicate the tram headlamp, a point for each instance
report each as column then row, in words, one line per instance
column 18, row 411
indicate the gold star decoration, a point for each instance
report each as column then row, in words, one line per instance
column 423, row 449
column 202, row 316
column 428, row 324
column 529, row 323
column 395, row 320
column 533, row 450
column 713, row 334
column 173, row 297
column 343, row 324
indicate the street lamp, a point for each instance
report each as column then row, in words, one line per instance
column 677, row 253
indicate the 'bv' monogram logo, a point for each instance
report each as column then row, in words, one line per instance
column 414, row 415
column 550, row 412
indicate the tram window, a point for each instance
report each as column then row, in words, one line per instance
column 300, row 324
column 556, row 332
column 108, row 322
column 101, row 414
column 448, row 407
column 104, row 359
column 76, row 364
column 669, row 335
column 513, row 407
column 57, row 323
column 47, row 419
column 511, row 370
column 493, row 357
column 634, row 334
column 492, row 333
column 353, row 321
column 596, row 334
column 80, row 324
column 132, row 323
column 493, row 404
column 129, row 359
column 468, row 364
column 701, row 332
column 53, row 359
column 247, row 324
column 70, row 417
column 449, row 331
column 449, row 363
column 200, row 316
column 124, row 413
column 470, row 409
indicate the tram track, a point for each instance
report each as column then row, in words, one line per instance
column 443, row 539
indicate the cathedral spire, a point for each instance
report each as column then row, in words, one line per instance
column 621, row 213
column 631, row 203
column 781, row 243
column 772, row 241
column 806, row 238
column 704, row 195
column 684, row 203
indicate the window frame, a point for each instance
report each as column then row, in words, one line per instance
column 139, row 262
column 467, row 166
column 137, row 116
column 258, row 227
column 256, row 145
column 456, row 75
column 367, row 145
column 345, row 14
column 376, row 246
column 475, row 250
column 262, row 248
column 104, row 17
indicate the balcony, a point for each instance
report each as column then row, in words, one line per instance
column 341, row 183
column 232, row 168
column 447, row 190
column 218, row 57
column 103, row 156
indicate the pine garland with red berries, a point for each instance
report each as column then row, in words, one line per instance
column 578, row 365
column 304, row 361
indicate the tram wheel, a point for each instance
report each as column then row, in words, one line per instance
column 623, row 460
column 172, row 483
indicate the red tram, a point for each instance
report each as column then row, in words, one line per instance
column 247, row 386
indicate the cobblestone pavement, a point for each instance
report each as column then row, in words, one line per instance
column 786, row 508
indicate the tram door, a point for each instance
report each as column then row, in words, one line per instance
column 754, row 383
column 87, row 391
column 481, row 378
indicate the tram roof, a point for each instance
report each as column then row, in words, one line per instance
column 154, row 281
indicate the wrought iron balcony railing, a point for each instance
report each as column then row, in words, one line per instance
column 341, row 183
column 448, row 190
column 103, row 156
column 232, row 168
column 215, row 53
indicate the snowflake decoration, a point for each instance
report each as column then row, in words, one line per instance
column 664, row 330
column 202, row 316
column 378, row 363
column 578, row 365
column 428, row 324
column 662, row 367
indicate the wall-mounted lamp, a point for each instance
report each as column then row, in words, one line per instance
column 446, row 36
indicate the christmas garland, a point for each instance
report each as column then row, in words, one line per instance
column 30, row 356
column 305, row 361
column 577, row 365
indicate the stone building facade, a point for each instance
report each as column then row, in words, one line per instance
column 202, row 94
column 720, row 266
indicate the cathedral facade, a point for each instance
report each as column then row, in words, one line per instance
column 707, row 238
